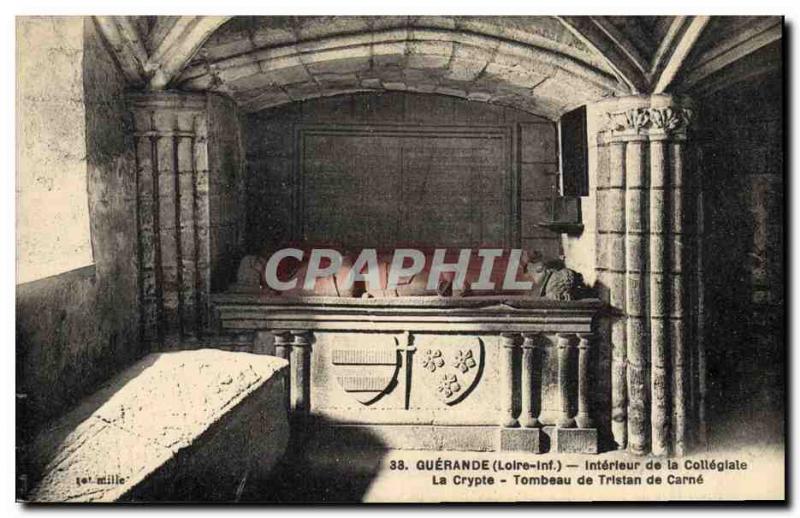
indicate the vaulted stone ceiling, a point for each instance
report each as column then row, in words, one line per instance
column 731, row 49
column 530, row 63
column 545, row 65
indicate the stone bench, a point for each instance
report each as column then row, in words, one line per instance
column 176, row 426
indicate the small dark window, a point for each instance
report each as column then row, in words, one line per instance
column 574, row 154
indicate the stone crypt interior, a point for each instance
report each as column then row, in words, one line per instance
column 161, row 160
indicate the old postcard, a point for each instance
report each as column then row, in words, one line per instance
column 404, row 259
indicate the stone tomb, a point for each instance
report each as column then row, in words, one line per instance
column 440, row 373
column 177, row 426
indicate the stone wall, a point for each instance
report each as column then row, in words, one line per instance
column 76, row 329
column 272, row 157
column 743, row 173
column 52, row 206
column 227, row 200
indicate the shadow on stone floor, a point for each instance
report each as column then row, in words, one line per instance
column 747, row 425
column 321, row 468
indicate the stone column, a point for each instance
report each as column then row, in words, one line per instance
column 659, row 341
column 172, row 178
column 611, row 274
column 584, row 419
column 182, row 228
column 636, row 268
column 507, row 418
column 283, row 344
column 640, row 238
column 299, row 370
column 699, row 374
column 528, row 417
column 564, row 346
column 679, row 227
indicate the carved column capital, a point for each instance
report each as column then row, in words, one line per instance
column 283, row 341
column 564, row 340
column 529, row 340
column 585, row 340
column 657, row 117
column 650, row 121
column 302, row 338
column 509, row 340
column 167, row 114
column 282, row 336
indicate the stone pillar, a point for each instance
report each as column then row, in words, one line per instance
column 528, row 417
column 584, row 418
column 636, row 268
column 659, row 240
column 283, row 344
column 507, row 418
column 611, row 274
column 172, row 176
column 178, row 165
column 523, row 434
column 564, row 346
column 299, row 370
column 699, row 374
column 640, row 239
column 679, row 288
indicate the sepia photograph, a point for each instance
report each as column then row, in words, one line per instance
column 325, row 259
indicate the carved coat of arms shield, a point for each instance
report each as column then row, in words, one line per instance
column 366, row 367
column 450, row 366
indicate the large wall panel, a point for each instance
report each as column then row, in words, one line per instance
column 400, row 168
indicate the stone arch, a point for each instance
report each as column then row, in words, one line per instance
column 532, row 72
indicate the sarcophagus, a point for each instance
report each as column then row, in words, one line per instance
column 430, row 372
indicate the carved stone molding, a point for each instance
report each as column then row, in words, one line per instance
column 644, row 117
column 639, row 120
